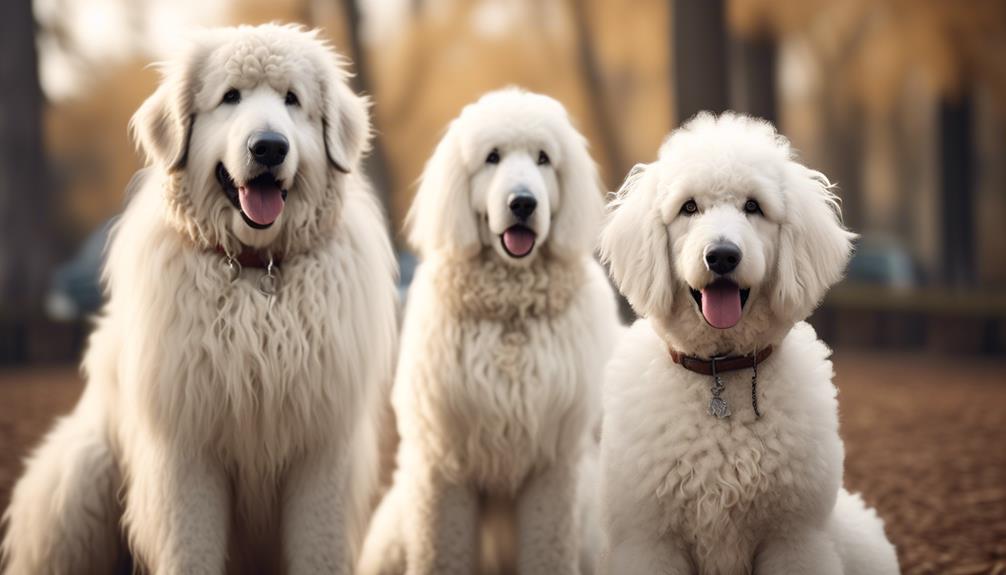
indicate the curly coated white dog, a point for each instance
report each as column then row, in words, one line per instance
column 720, row 447
column 508, row 325
column 236, row 372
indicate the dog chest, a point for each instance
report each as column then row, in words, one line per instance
column 521, row 397
column 706, row 480
column 257, row 375
column 492, row 399
column 498, row 370
column 739, row 478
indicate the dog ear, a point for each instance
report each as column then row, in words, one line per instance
column 635, row 245
column 814, row 246
column 581, row 203
column 345, row 119
column 162, row 126
column 441, row 216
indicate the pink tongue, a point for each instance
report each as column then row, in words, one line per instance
column 261, row 202
column 721, row 304
column 518, row 241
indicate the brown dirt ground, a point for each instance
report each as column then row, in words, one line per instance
column 925, row 439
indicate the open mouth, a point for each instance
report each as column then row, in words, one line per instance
column 518, row 241
column 721, row 302
column 260, row 200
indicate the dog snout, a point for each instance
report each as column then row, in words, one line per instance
column 522, row 204
column 268, row 148
column 722, row 257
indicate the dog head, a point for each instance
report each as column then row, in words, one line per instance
column 259, row 126
column 725, row 241
column 511, row 174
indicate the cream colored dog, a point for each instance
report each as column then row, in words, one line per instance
column 507, row 328
column 234, row 376
column 724, row 245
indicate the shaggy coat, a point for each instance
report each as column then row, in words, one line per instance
column 684, row 491
column 497, row 387
column 224, row 429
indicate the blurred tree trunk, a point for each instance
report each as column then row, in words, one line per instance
column 753, row 76
column 25, row 247
column 957, row 197
column 700, row 56
column 844, row 142
column 593, row 77
column 376, row 165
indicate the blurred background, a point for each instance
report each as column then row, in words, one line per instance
column 901, row 102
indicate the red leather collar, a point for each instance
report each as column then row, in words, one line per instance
column 719, row 364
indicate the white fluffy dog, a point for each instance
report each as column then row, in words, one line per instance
column 508, row 325
column 235, row 373
column 724, row 245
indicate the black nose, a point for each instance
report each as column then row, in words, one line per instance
column 723, row 257
column 268, row 148
column 522, row 204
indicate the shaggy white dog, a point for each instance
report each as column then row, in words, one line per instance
column 724, row 245
column 235, row 373
column 509, row 322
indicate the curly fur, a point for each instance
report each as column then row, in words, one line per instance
column 683, row 491
column 498, row 379
column 486, row 288
column 238, row 432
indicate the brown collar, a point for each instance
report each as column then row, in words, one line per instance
column 719, row 364
column 252, row 258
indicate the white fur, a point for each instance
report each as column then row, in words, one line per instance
column 498, row 380
column 237, row 434
column 682, row 491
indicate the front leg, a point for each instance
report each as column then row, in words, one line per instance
column 177, row 510
column 644, row 555
column 796, row 551
column 319, row 528
column 442, row 526
column 546, row 530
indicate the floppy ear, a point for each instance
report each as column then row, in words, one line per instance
column 581, row 205
column 636, row 247
column 814, row 246
column 441, row 217
column 345, row 120
column 163, row 124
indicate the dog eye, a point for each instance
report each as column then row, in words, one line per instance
column 689, row 208
column 232, row 96
column 752, row 207
column 493, row 157
column 543, row 159
column 291, row 99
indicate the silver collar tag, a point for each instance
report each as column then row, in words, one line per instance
column 268, row 284
column 717, row 405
